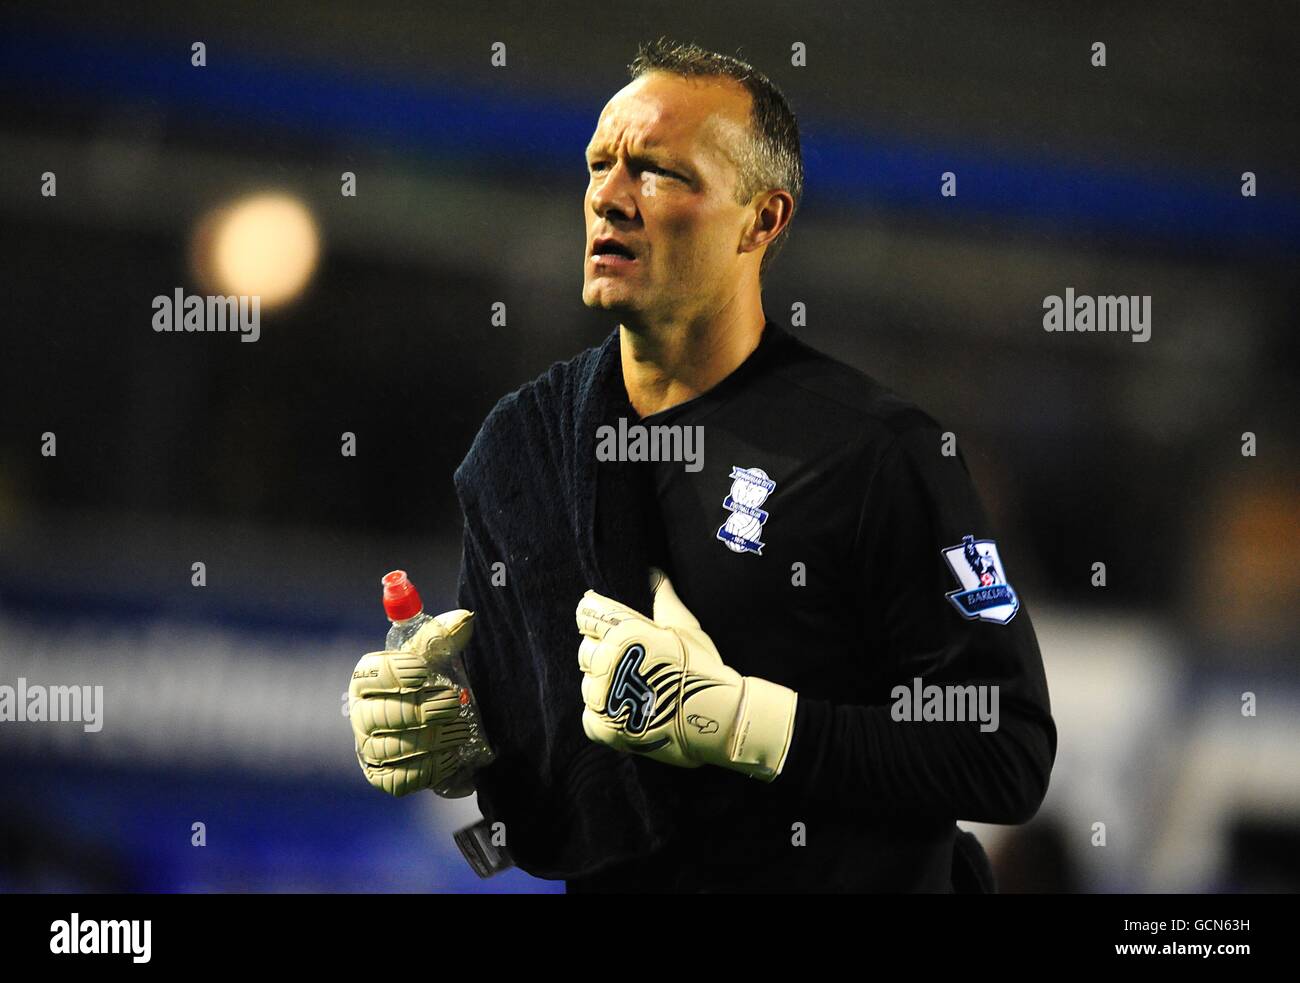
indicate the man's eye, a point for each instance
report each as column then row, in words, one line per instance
column 600, row 166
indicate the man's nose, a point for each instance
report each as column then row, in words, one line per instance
column 616, row 193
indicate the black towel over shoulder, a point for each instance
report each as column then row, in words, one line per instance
column 536, row 500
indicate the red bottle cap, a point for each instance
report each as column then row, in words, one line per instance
column 401, row 599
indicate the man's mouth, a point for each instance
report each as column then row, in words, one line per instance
column 609, row 252
column 611, row 261
column 613, row 249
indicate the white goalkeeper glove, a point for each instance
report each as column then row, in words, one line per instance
column 405, row 715
column 660, row 688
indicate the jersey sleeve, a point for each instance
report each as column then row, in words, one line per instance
column 959, row 724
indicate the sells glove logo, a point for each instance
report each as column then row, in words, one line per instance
column 984, row 594
column 749, row 489
column 628, row 691
column 705, row 725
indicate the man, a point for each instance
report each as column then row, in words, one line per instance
column 790, row 674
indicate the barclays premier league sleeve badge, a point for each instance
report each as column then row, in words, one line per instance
column 984, row 594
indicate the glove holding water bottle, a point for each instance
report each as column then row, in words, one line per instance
column 413, row 717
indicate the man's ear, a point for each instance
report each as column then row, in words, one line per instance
column 772, row 212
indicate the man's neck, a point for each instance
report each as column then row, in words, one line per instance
column 667, row 365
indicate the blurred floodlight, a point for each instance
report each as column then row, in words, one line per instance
column 265, row 245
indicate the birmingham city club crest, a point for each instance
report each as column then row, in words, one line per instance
column 984, row 593
column 749, row 489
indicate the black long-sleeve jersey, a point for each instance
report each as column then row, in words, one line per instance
column 832, row 542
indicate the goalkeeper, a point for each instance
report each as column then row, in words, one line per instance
column 791, row 664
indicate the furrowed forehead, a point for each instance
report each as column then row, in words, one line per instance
column 682, row 117
column 645, row 120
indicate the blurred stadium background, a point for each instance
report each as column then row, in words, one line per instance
column 198, row 448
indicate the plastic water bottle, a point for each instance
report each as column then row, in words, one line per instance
column 406, row 612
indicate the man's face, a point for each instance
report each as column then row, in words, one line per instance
column 662, row 180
